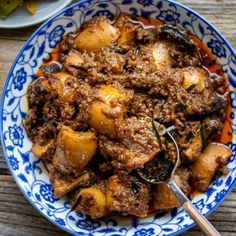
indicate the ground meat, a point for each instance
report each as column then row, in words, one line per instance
column 205, row 103
column 182, row 178
column 111, row 62
column 31, row 122
column 138, row 146
column 210, row 128
column 127, row 196
column 44, row 133
column 114, row 93
column 39, row 91
column 183, row 59
column 106, row 168
column 58, row 111
column 141, row 104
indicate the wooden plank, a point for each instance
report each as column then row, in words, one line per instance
column 18, row 230
column 21, row 34
column 3, row 165
column 221, row 13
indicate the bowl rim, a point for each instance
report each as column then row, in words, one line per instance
column 37, row 21
column 232, row 51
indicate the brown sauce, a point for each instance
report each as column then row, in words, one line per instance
column 138, row 132
column 209, row 61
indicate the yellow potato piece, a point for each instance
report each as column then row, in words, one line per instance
column 96, row 36
column 163, row 198
column 73, row 59
column 42, row 151
column 109, row 93
column 134, row 160
column 74, row 149
column 127, row 30
column 65, row 85
column 110, row 101
column 194, row 149
column 62, row 186
column 93, row 202
column 194, row 77
column 101, row 122
column 161, row 55
column 208, row 163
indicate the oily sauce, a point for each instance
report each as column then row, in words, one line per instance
column 209, row 62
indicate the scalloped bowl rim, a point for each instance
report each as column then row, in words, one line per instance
column 8, row 78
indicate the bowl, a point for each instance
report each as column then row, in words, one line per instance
column 30, row 173
column 20, row 17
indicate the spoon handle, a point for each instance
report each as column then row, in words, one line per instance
column 201, row 221
column 206, row 227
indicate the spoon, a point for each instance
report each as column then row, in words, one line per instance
column 170, row 169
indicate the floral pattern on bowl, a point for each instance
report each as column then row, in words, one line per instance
column 30, row 173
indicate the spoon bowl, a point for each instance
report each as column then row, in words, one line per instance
column 168, row 177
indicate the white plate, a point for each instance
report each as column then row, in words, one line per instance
column 22, row 18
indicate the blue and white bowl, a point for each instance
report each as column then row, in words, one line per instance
column 30, row 173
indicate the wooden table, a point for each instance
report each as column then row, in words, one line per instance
column 17, row 216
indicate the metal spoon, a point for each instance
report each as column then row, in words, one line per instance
column 199, row 219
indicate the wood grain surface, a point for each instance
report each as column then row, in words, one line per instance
column 17, row 216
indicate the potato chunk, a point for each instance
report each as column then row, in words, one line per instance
column 44, row 151
column 96, row 35
column 138, row 146
column 73, row 59
column 106, row 113
column 192, row 152
column 182, row 179
column 127, row 30
column 161, row 55
column 128, row 196
column 73, row 62
column 62, row 185
column 190, row 141
column 194, row 78
column 163, row 198
column 92, row 201
column 207, row 165
column 65, row 86
column 73, row 150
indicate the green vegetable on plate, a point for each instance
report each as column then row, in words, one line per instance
column 8, row 6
